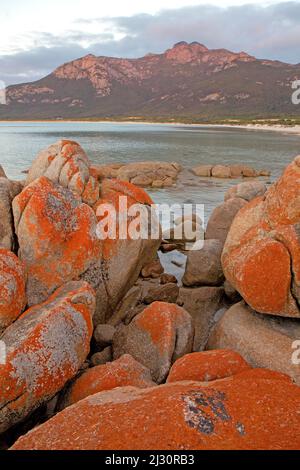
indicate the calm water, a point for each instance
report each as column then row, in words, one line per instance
column 188, row 145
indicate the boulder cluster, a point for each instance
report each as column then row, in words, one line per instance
column 143, row 174
column 228, row 171
column 106, row 350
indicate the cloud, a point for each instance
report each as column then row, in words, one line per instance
column 271, row 32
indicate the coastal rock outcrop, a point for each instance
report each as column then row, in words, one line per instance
column 156, row 337
column 122, row 257
column 262, row 340
column 12, row 288
column 233, row 413
column 207, row 366
column 228, row 171
column 56, row 234
column 45, row 348
column 66, row 163
column 125, row 371
column 144, row 174
column 261, row 256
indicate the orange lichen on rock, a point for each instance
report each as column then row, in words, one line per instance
column 207, row 366
column 57, row 237
column 12, row 288
column 122, row 256
column 64, row 163
column 156, row 337
column 261, row 256
column 45, row 348
column 125, row 371
column 233, row 413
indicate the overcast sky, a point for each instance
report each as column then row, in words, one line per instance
column 36, row 36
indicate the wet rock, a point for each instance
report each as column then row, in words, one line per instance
column 156, row 338
column 207, row 366
column 45, row 348
column 202, row 170
column 221, row 171
column 233, row 413
column 156, row 174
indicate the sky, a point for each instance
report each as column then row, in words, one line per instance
column 37, row 36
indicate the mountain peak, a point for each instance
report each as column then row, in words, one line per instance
column 183, row 52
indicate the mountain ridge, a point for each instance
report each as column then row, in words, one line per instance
column 186, row 80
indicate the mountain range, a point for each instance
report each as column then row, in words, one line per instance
column 188, row 81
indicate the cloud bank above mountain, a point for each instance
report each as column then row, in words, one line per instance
column 271, row 32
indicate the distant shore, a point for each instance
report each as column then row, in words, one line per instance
column 290, row 129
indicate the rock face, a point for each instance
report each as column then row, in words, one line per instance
column 203, row 266
column 56, row 234
column 261, row 256
column 156, row 338
column 66, row 163
column 202, row 303
column 144, row 174
column 222, row 217
column 233, row 413
column 123, row 372
column 121, row 260
column 45, row 348
column 263, row 341
column 207, row 366
column 12, row 288
column 8, row 190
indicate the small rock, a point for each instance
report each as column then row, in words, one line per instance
column 168, row 278
column 153, row 269
column 222, row 217
column 103, row 335
column 203, row 266
column 102, row 357
column 162, row 292
column 221, row 171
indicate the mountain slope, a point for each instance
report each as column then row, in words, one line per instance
column 187, row 80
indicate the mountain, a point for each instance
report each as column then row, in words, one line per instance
column 187, row 81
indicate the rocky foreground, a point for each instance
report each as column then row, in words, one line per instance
column 106, row 350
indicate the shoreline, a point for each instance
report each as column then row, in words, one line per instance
column 255, row 126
